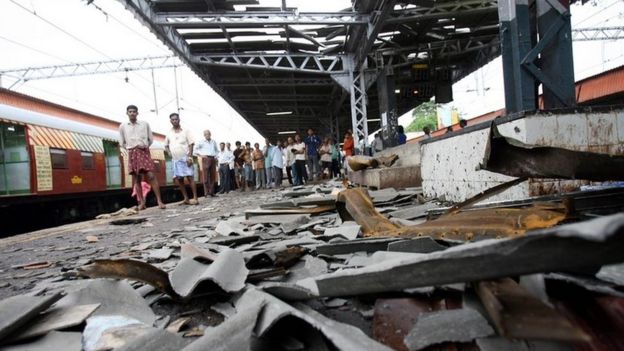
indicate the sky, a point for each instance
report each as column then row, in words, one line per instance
column 44, row 32
column 483, row 91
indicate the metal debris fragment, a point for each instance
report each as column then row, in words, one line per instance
column 360, row 162
column 513, row 158
column 130, row 269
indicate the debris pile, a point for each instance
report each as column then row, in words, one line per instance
column 329, row 268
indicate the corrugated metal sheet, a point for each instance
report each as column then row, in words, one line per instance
column 63, row 139
column 600, row 86
column 8, row 121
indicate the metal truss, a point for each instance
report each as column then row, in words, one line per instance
column 246, row 19
column 372, row 30
column 443, row 10
column 274, row 82
column 279, row 62
column 357, row 93
column 99, row 67
column 598, row 33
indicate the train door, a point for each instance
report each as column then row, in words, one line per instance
column 113, row 164
column 14, row 160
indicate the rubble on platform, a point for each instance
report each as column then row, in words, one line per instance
column 324, row 267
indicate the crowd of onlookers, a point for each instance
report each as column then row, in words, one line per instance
column 244, row 168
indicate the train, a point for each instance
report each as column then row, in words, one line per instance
column 56, row 170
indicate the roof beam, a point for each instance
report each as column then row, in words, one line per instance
column 598, row 33
column 443, row 10
column 274, row 82
column 372, row 28
column 281, row 97
column 303, row 63
column 247, row 19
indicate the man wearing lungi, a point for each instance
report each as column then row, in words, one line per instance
column 136, row 137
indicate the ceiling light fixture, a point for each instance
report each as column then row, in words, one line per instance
column 279, row 113
column 287, row 132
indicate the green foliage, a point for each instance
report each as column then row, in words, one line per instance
column 424, row 115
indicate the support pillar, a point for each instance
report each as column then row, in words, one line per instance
column 556, row 60
column 516, row 42
column 388, row 107
column 357, row 92
column 528, row 62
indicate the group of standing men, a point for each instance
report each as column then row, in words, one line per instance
column 244, row 168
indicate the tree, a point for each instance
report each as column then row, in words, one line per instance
column 425, row 115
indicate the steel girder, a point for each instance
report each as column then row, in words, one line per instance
column 598, row 33
column 246, row 19
column 279, row 62
column 359, row 117
column 87, row 68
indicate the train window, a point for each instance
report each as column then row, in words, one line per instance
column 87, row 160
column 59, row 158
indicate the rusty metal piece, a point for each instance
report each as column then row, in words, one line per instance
column 490, row 223
column 513, row 158
column 257, row 275
column 519, row 315
column 290, row 256
column 130, row 269
column 356, row 205
column 360, row 162
column 301, row 210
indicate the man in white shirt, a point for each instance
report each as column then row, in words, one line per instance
column 179, row 144
column 224, row 157
column 289, row 160
column 277, row 162
column 208, row 151
column 299, row 150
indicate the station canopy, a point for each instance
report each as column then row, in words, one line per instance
column 285, row 65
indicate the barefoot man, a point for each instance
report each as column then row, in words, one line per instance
column 179, row 144
column 136, row 137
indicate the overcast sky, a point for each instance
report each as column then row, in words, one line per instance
column 44, row 32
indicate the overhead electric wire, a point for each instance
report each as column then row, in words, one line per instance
column 34, row 49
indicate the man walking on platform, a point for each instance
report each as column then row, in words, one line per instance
column 224, row 157
column 208, row 151
column 179, row 144
column 258, row 158
column 136, row 137
column 312, row 143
